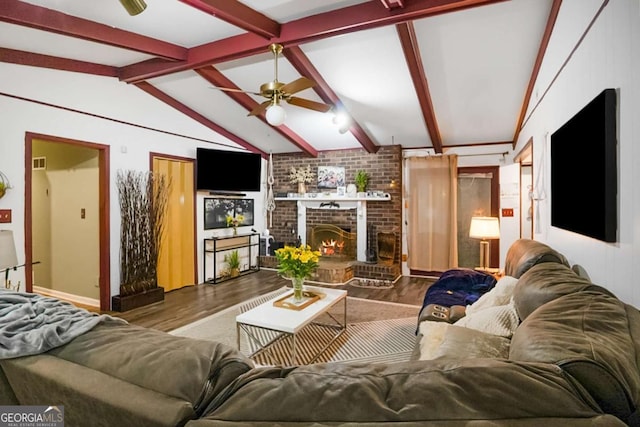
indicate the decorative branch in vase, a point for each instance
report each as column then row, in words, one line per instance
column 301, row 176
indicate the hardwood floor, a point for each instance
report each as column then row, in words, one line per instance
column 191, row 303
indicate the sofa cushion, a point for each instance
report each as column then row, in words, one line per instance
column 187, row 369
column 525, row 253
column 588, row 333
column 546, row 282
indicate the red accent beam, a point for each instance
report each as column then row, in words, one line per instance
column 238, row 14
column 157, row 93
column 56, row 63
column 409, row 42
column 218, row 79
column 40, row 18
column 317, row 27
column 551, row 22
column 300, row 62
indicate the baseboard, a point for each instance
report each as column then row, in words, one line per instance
column 91, row 302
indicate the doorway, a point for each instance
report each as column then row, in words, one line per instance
column 525, row 158
column 177, row 259
column 478, row 189
column 66, row 220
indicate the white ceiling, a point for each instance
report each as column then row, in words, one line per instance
column 477, row 63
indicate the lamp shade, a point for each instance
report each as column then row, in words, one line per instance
column 134, row 7
column 276, row 115
column 484, row 227
column 8, row 256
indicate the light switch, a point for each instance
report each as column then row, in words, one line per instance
column 5, row 216
column 507, row 212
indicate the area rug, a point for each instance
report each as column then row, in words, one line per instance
column 376, row 332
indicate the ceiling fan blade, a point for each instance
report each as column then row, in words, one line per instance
column 307, row 103
column 259, row 109
column 297, row 85
column 228, row 89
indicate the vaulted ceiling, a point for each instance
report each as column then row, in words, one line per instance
column 417, row 73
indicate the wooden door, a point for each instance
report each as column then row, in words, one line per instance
column 176, row 267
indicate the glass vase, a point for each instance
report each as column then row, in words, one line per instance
column 302, row 188
column 235, row 231
column 298, row 288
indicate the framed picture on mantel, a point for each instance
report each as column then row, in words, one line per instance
column 330, row 177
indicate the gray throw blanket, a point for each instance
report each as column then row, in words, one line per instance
column 33, row 324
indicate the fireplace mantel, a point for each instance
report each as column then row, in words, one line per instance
column 322, row 201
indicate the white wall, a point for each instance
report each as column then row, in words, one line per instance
column 130, row 144
column 609, row 57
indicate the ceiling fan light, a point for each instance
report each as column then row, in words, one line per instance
column 341, row 119
column 134, row 7
column 276, row 115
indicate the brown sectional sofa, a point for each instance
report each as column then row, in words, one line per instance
column 572, row 360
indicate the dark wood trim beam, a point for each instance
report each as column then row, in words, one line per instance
column 216, row 78
column 40, row 18
column 410, row 47
column 317, row 27
column 551, row 22
column 21, row 57
column 157, row 93
column 303, row 65
column 238, row 14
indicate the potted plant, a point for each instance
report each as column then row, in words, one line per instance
column 362, row 179
column 297, row 263
column 4, row 184
column 232, row 259
column 301, row 176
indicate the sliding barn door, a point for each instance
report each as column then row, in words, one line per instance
column 176, row 267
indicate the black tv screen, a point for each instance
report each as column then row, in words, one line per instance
column 220, row 170
column 584, row 171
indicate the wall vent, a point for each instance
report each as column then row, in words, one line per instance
column 39, row 163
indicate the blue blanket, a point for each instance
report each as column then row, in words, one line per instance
column 459, row 286
column 33, row 324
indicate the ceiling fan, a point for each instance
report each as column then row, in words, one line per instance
column 276, row 91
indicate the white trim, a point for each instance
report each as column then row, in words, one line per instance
column 67, row 297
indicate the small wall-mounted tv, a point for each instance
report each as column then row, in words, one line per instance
column 220, row 170
column 584, row 170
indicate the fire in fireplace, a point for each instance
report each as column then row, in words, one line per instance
column 332, row 241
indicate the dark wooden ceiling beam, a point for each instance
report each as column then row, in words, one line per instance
column 303, row 65
column 40, row 18
column 410, row 47
column 157, row 93
column 317, row 27
column 21, row 57
column 216, row 78
column 544, row 43
column 238, row 14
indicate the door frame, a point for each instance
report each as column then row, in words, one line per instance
column 494, row 256
column 103, row 212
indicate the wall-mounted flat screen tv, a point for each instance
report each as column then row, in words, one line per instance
column 584, row 170
column 220, row 170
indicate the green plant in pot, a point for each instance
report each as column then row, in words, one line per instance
column 362, row 179
column 232, row 259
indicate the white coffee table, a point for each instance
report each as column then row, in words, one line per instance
column 289, row 322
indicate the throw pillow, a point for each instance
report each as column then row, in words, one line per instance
column 499, row 320
column 499, row 295
column 445, row 340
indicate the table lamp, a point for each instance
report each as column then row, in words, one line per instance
column 8, row 256
column 484, row 228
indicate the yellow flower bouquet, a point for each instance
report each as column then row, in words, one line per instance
column 235, row 221
column 297, row 263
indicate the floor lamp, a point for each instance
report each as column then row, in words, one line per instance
column 484, row 228
column 8, row 256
